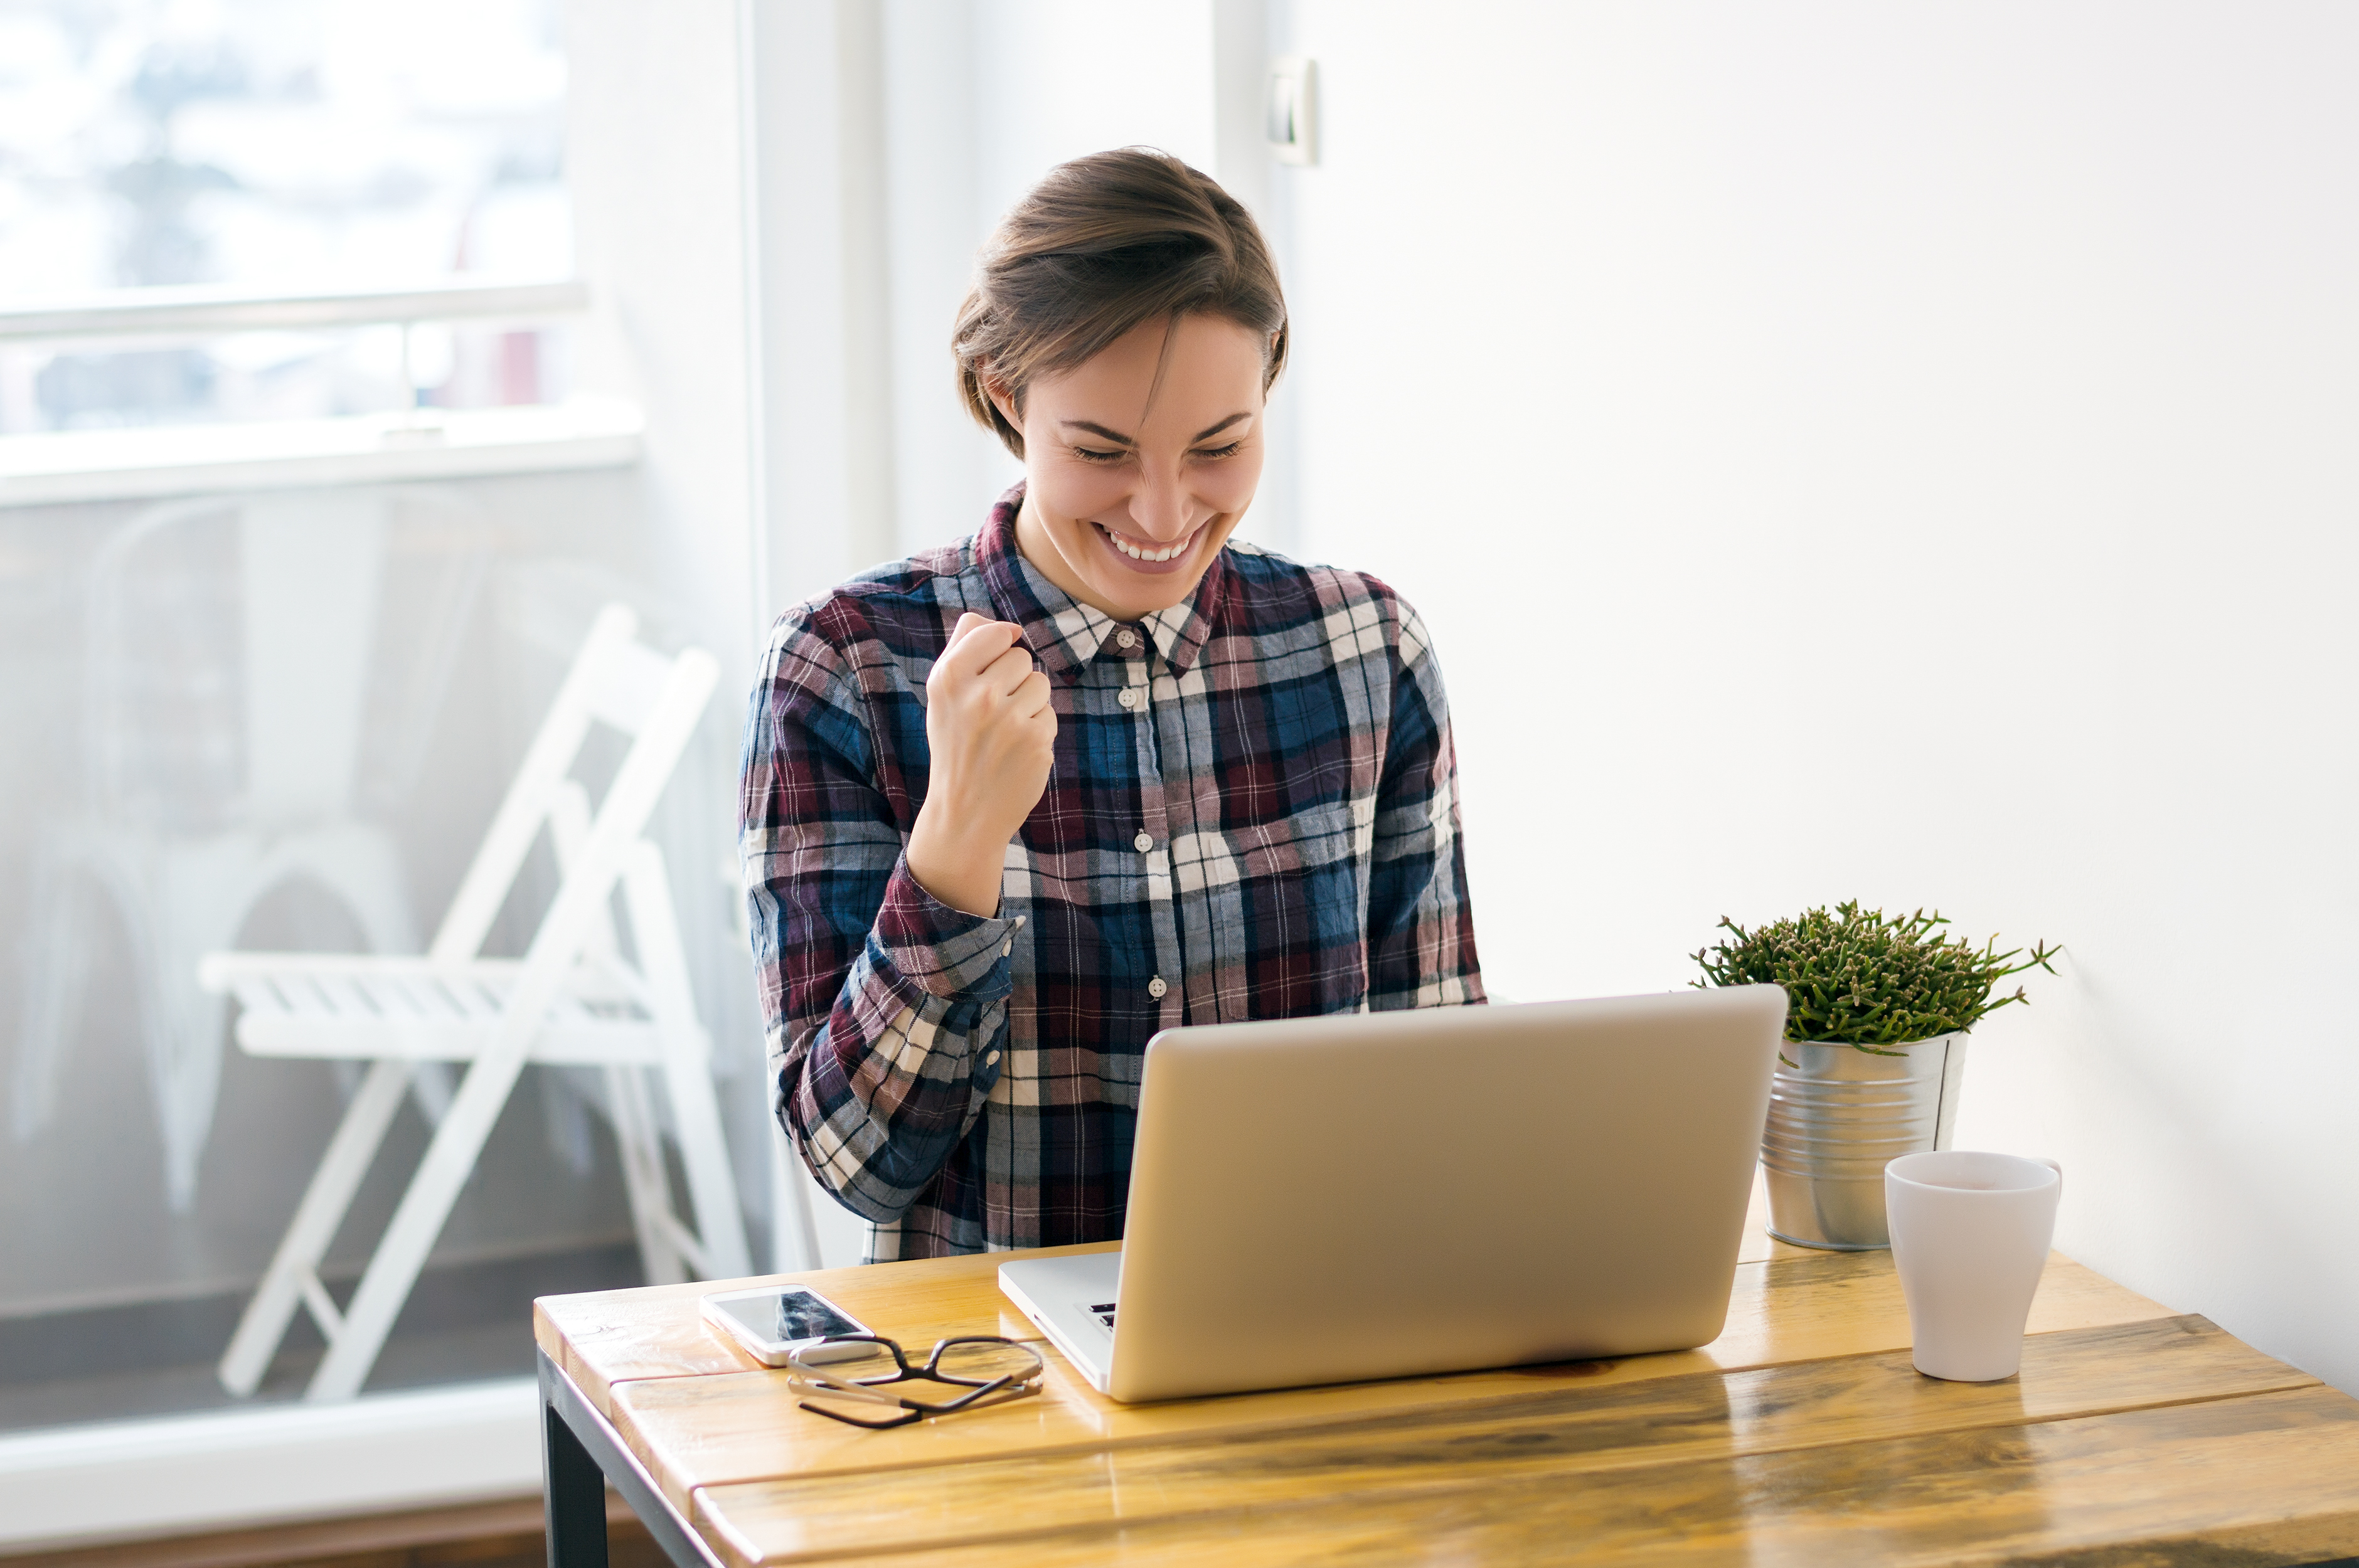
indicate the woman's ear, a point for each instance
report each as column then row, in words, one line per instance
column 1002, row 398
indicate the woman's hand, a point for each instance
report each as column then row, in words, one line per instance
column 993, row 735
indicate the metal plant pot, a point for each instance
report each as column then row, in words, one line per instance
column 1835, row 1116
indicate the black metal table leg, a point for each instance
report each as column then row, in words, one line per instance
column 573, row 1492
column 579, row 1453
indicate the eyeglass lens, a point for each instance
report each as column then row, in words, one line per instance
column 987, row 1369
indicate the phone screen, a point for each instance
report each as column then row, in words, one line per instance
column 788, row 1315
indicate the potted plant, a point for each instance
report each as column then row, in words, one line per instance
column 1876, row 1014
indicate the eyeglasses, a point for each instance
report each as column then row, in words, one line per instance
column 992, row 1370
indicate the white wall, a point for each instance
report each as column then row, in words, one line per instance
column 660, row 231
column 1903, row 452
column 1844, row 450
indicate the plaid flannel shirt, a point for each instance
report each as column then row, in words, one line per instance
column 1252, row 813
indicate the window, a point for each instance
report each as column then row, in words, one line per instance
column 252, row 148
column 244, row 245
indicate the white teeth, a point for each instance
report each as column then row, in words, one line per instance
column 1136, row 554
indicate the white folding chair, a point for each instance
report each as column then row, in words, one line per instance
column 570, row 1000
column 230, row 647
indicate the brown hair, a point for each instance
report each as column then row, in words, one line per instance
column 1100, row 245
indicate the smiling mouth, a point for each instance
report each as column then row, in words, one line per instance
column 1147, row 551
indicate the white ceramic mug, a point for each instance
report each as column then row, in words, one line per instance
column 1969, row 1235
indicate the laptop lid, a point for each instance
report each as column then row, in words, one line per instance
column 1381, row 1195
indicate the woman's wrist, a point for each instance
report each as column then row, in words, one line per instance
column 954, row 868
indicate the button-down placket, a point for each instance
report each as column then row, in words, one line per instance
column 1075, row 643
column 1192, row 849
column 1149, row 668
column 1152, row 841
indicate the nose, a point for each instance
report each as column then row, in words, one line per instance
column 1159, row 508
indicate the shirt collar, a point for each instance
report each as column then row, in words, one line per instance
column 1065, row 635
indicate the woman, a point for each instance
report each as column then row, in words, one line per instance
column 1014, row 805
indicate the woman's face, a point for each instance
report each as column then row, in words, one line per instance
column 1134, row 480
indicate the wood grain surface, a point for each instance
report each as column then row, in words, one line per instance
column 1800, row 1435
column 2220, row 1484
column 711, row 1430
column 1563, row 1431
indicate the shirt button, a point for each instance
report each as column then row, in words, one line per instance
column 1143, row 843
column 1007, row 946
column 991, row 1058
column 1155, row 988
column 1127, row 637
column 1129, row 698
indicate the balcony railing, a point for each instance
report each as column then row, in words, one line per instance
column 408, row 442
column 170, row 315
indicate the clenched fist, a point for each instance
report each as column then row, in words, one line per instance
column 993, row 735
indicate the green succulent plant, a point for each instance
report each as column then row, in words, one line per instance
column 1854, row 977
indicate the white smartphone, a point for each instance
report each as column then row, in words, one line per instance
column 772, row 1321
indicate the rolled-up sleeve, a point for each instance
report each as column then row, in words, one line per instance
column 886, row 1008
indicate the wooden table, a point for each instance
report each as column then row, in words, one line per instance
column 2134, row 1436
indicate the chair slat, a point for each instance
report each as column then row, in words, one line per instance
column 302, row 994
column 464, row 1000
column 432, row 1003
column 349, row 998
column 390, row 996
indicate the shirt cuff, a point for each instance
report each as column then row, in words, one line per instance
column 947, row 952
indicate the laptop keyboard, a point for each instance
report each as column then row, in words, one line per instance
column 1104, row 1311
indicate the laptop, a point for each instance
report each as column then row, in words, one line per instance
column 1327, row 1200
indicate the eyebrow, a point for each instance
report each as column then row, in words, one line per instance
column 1116, row 436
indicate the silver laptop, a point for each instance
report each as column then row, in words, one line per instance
column 1325, row 1200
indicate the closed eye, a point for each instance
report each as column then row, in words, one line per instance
column 1095, row 455
column 1217, row 453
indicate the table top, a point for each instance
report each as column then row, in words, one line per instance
column 2133, row 1435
